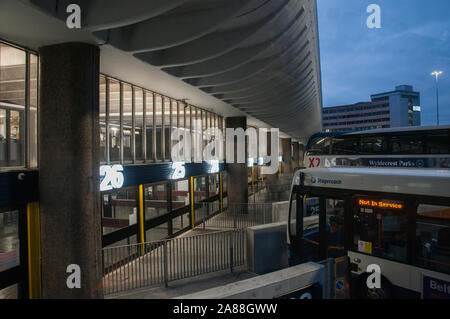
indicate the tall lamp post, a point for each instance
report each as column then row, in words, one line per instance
column 437, row 73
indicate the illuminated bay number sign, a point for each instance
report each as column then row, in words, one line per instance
column 111, row 177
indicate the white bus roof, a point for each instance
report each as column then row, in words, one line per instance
column 401, row 129
column 399, row 181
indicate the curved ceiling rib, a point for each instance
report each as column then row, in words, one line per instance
column 270, row 83
column 259, row 56
column 233, row 59
column 162, row 32
column 209, row 46
column 279, row 52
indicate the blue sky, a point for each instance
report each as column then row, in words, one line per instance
column 357, row 61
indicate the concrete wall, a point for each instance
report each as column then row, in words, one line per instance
column 267, row 248
column 268, row 286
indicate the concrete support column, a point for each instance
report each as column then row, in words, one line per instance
column 286, row 166
column 69, row 169
column 270, row 178
column 237, row 182
column 302, row 148
column 295, row 155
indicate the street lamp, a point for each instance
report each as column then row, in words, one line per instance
column 437, row 73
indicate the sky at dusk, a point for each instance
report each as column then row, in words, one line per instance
column 413, row 41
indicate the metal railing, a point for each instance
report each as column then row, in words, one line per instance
column 156, row 263
column 205, row 211
column 241, row 216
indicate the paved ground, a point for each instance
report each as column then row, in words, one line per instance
column 186, row 286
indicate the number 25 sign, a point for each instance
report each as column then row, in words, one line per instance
column 111, row 177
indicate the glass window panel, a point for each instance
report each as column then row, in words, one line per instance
column 3, row 139
column 114, row 121
column 319, row 146
column 181, row 107
column 407, row 144
column 157, row 233
column 433, row 237
column 437, row 142
column 155, row 201
column 127, row 122
column 177, row 224
column 16, row 138
column 335, row 210
column 180, row 194
column 12, row 102
column 381, row 232
column 310, row 240
column 102, row 119
column 167, row 119
column 175, row 126
column 158, row 126
column 119, row 257
column 149, row 125
column 189, row 124
column 119, row 209
column 139, row 124
column 12, row 75
column 346, row 145
column 181, row 127
column 186, row 221
column 200, row 194
column 9, row 240
column 213, row 185
column 374, row 144
column 33, row 148
column 204, row 127
column 197, row 146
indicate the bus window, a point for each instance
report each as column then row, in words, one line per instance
column 407, row 144
column 433, row 237
column 319, row 146
column 346, row 145
column 437, row 143
column 380, row 228
column 310, row 239
column 335, row 210
column 374, row 144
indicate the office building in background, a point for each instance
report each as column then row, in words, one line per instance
column 397, row 108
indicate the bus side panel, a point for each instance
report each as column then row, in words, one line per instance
column 407, row 279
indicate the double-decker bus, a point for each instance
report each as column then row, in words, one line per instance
column 398, row 219
column 410, row 147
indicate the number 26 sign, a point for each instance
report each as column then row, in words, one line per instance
column 111, row 177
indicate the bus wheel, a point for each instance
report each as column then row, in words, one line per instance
column 386, row 291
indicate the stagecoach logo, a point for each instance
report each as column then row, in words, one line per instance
column 318, row 180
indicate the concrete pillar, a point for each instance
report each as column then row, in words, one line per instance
column 237, row 182
column 302, row 148
column 295, row 155
column 270, row 178
column 69, row 169
column 286, row 166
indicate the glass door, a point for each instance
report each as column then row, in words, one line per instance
column 13, row 261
